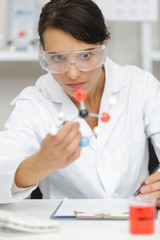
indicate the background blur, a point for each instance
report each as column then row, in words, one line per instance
column 124, row 48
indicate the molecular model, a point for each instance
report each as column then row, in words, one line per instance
column 80, row 95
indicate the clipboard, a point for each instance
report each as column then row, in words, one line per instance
column 92, row 209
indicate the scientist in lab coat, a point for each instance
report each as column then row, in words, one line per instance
column 73, row 43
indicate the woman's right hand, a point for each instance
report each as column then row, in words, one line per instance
column 56, row 152
column 61, row 150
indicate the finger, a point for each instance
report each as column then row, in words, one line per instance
column 153, row 178
column 71, row 136
column 149, row 188
column 62, row 133
column 70, row 152
column 71, row 158
column 70, row 149
column 154, row 195
column 74, row 156
column 143, row 180
column 58, row 152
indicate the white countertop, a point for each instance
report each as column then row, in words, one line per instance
column 72, row 229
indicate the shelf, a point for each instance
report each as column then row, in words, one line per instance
column 148, row 54
column 21, row 56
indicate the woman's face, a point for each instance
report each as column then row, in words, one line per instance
column 56, row 40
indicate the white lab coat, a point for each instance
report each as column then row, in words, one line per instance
column 114, row 162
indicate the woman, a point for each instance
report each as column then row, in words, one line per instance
column 73, row 43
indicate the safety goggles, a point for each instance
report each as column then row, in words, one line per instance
column 83, row 59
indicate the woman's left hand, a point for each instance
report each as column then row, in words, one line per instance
column 152, row 186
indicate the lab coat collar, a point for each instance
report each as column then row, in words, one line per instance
column 115, row 77
column 114, row 83
column 51, row 89
column 107, row 128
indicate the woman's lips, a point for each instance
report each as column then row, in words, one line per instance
column 76, row 85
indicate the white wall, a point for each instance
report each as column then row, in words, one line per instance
column 124, row 48
column 13, row 78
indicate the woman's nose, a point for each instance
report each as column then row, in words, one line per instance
column 73, row 72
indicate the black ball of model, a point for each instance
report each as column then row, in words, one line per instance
column 83, row 113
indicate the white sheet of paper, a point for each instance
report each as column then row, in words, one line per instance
column 108, row 206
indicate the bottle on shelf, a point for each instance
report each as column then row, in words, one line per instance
column 21, row 42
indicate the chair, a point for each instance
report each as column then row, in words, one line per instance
column 153, row 160
column 36, row 194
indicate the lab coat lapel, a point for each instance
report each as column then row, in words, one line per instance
column 113, row 85
column 69, row 109
column 56, row 94
column 106, row 128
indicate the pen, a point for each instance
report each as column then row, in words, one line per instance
column 138, row 190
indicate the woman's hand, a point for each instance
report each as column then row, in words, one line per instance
column 152, row 186
column 56, row 152
column 61, row 150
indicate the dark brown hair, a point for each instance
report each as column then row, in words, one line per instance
column 81, row 18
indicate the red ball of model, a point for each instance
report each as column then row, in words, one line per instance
column 80, row 95
column 105, row 117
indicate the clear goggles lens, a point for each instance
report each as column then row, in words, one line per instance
column 84, row 60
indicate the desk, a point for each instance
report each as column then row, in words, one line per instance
column 72, row 229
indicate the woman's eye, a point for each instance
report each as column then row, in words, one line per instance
column 58, row 58
column 85, row 55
